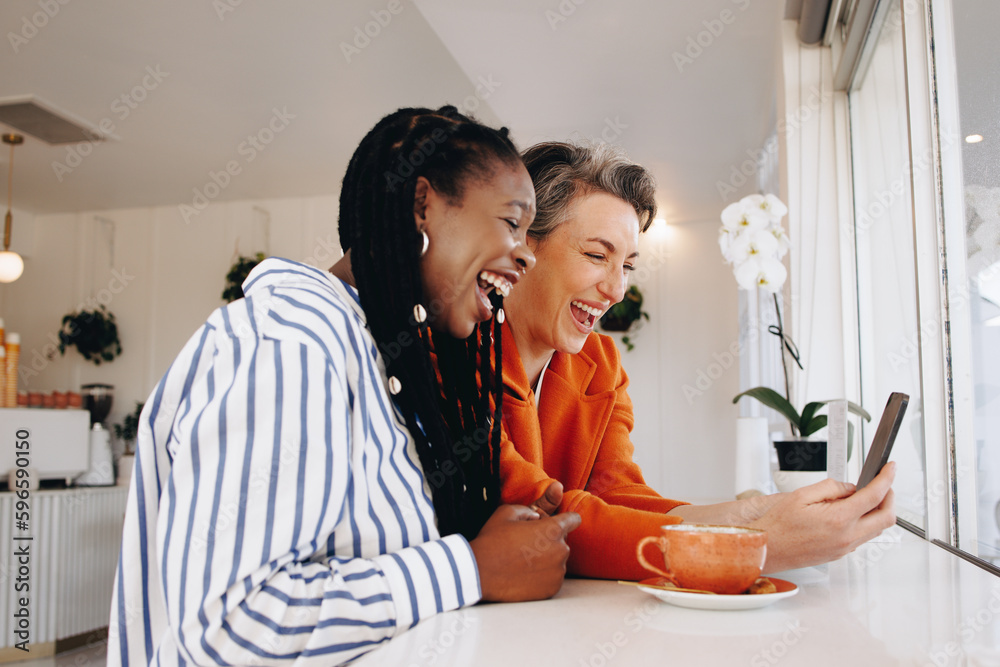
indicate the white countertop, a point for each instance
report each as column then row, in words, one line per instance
column 897, row 601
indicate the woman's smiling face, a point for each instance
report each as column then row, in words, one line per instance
column 582, row 270
column 476, row 245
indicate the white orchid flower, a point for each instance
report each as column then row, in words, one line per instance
column 766, row 272
column 784, row 243
column 776, row 207
column 738, row 217
column 725, row 241
column 753, row 241
column 731, row 216
column 760, row 243
column 770, row 205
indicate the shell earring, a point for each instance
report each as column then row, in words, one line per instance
column 419, row 312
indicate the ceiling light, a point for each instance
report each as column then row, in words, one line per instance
column 11, row 264
column 973, row 138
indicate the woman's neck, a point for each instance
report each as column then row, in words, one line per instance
column 342, row 269
column 534, row 356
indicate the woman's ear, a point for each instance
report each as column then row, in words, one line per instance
column 422, row 193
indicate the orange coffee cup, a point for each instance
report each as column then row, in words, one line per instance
column 721, row 559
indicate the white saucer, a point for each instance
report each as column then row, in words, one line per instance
column 719, row 602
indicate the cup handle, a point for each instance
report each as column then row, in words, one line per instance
column 653, row 539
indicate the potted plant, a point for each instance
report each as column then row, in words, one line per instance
column 754, row 242
column 93, row 333
column 802, row 454
column 622, row 316
column 238, row 273
column 129, row 428
column 127, row 432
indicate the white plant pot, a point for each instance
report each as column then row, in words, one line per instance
column 753, row 455
column 790, row 480
column 125, row 465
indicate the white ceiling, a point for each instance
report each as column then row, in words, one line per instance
column 609, row 64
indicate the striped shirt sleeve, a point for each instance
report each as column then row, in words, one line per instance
column 264, row 450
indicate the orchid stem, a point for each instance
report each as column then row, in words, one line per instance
column 784, row 362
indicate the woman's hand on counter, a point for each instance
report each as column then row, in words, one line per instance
column 548, row 503
column 521, row 553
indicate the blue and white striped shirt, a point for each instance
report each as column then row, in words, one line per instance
column 278, row 513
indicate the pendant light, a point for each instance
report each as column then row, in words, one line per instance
column 11, row 264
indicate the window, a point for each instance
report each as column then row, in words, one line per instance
column 925, row 151
column 976, row 298
column 884, row 241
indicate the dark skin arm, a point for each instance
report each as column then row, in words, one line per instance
column 521, row 553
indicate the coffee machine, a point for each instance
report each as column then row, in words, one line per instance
column 97, row 399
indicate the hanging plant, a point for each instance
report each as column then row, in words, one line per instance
column 624, row 314
column 93, row 333
column 238, row 272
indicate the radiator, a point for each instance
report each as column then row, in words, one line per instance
column 76, row 535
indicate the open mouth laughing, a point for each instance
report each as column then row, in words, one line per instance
column 487, row 282
column 585, row 315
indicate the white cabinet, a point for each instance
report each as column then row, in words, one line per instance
column 70, row 568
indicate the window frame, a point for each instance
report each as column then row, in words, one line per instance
column 938, row 210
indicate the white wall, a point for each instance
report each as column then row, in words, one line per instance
column 683, row 371
column 161, row 277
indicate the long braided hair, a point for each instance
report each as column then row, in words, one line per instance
column 455, row 420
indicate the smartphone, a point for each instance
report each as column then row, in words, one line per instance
column 885, row 435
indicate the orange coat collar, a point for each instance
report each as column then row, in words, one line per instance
column 575, row 371
column 574, row 416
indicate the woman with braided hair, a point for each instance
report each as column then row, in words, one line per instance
column 313, row 474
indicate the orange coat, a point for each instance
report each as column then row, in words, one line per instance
column 580, row 436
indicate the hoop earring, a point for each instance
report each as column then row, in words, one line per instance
column 427, row 243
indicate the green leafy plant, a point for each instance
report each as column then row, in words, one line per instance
column 621, row 316
column 238, row 273
column 129, row 428
column 93, row 333
column 808, row 422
